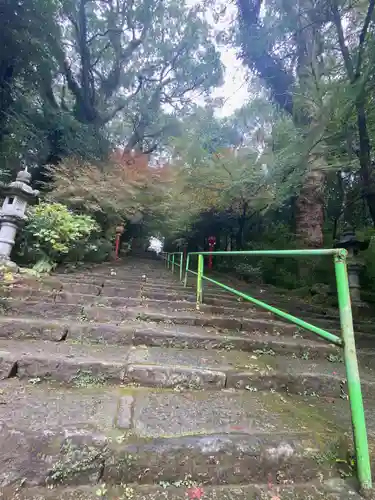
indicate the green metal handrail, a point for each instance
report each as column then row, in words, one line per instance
column 346, row 341
column 170, row 261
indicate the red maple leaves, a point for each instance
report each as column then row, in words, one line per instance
column 195, row 492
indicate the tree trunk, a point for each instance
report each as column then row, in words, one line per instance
column 366, row 167
column 6, row 79
column 310, row 210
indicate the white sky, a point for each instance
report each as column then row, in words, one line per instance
column 234, row 91
column 235, row 88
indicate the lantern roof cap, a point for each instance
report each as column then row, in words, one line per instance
column 21, row 186
column 348, row 240
column 24, row 176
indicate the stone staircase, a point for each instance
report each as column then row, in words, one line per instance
column 114, row 386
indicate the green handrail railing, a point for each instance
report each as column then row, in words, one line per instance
column 171, row 262
column 346, row 341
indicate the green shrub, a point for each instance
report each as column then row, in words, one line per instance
column 53, row 235
column 97, row 251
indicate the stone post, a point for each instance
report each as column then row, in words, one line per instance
column 353, row 245
column 13, row 213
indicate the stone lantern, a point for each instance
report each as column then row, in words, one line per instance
column 18, row 195
column 353, row 245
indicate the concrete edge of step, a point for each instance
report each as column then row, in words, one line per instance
column 332, row 489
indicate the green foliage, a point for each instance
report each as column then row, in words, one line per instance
column 97, row 74
column 53, row 235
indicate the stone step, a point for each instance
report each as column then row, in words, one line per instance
column 99, row 288
column 67, row 362
column 228, row 299
column 272, row 295
column 126, row 273
column 333, row 489
column 90, row 435
column 168, row 282
column 75, row 301
column 118, row 296
column 117, row 315
column 125, row 313
column 277, row 297
column 225, row 298
column 157, row 335
column 175, row 302
column 89, row 294
column 327, row 321
column 218, row 298
column 181, row 302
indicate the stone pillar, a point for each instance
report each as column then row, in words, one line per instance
column 354, row 270
column 353, row 245
column 8, row 233
column 13, row 213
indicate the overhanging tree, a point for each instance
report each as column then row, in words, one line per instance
column 301, row 54
column 134, row 60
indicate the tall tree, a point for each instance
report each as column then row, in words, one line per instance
column 296, row 64
column 356, row 54
column 25, row 54
column 290, row 58
column 136, row 60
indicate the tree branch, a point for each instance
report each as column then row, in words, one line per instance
column 268, row 67
column 99, row 55
column 122, row 105
column 122, row 56
column 72, row 84
column 105, row 33
column 343, row 47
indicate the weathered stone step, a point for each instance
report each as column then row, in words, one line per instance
column 125, row 275
column 116, row 281
column 231, row 300
column 327, row 321
column 120, row 314
column 76, row 289
column 272, row 296
column 117, row 315
column 156, row 335
column 99, row 288
column 180, row 302
column 333, row 489
column 223, row 299
column 176, row 302
column 65, row 362
column 260, row 290
column 91, row 434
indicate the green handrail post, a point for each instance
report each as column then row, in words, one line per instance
column 352, row 374
column 199, row 280
column 186, row 270
column 181, row 264
column 172, row 263
column 168, row 260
